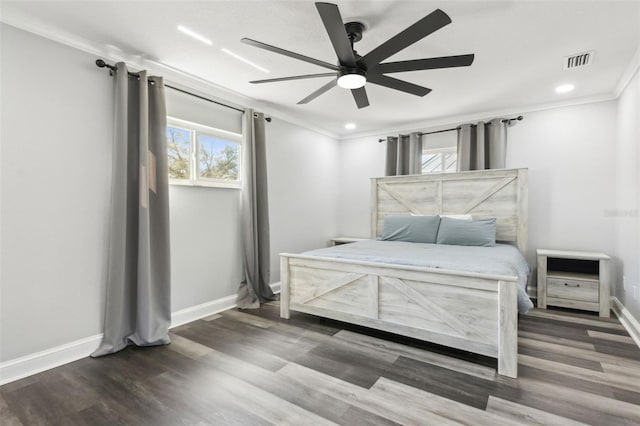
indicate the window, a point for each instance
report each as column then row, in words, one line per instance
column 203, row 156
column 439, row 160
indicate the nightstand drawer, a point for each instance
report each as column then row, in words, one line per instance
column 582, row 290
column 574, row 279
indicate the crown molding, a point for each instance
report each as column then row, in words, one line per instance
column 225, row 95
column 207, row 88
column 170, row 73
column 455, row 120
column 629, row 74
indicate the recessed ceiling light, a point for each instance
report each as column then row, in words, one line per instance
column 565, row 88
column 245, row 60
column 195, row 35
column 350, row 126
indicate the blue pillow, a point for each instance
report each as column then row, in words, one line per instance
column 467, row 232
column 414, row 229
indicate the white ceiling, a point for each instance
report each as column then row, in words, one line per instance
column 518, row 47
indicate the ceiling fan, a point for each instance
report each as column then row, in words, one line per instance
column 353, row 70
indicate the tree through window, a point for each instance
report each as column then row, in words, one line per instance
column 201, row 155
column 217, row 158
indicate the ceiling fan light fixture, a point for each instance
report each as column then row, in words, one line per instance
column 352, row 78
column 351, row 70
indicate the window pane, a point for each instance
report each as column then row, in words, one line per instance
column 450, row 162
column 178, row 141
column 431, row 163
column 217, row 158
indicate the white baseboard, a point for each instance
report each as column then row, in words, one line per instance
column 28, row 365
column 193, row 313
column 628, row 321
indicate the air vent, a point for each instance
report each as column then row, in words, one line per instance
column 579, row 60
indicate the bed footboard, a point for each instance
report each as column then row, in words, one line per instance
column 473, row 312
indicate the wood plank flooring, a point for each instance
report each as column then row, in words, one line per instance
column 253, row 368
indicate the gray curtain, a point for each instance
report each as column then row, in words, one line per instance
column 138, row 305
column 482, row 146
column 404, row 155
column 254, row 215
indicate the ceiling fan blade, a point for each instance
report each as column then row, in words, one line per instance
column 427, row 25
column 361, row 98
column 426, row 64
column 289, row 53
column 296, row 77
column 394, row 83
column 332, row 21
column 319, row 92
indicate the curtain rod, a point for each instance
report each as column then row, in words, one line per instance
column 506, row 120
column 102, row 64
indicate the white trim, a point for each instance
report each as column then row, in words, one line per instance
column 193, row 82
column 38, row 362
column 28, row 365
column 441, row 123
column 206, row 184
column 173, row 75
column 195, row 130
column 223, row 134
column 446, row 150
column 194, row 313
column 628, row 321
column 111, row 53
column 31, row 364
column 630, row 72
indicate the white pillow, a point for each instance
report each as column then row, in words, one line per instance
column 458, row 216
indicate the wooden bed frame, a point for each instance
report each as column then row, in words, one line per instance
column 470, row 311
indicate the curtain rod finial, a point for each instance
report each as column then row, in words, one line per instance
column 101, row 63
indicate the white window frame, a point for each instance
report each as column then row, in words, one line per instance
column 194, row 147
column 443, row 151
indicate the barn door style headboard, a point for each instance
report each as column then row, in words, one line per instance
column 485, row 194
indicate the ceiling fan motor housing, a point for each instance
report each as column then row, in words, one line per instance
column 354, row 71
column 354, row 31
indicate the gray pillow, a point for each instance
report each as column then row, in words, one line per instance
column 415, row 229
column 467, row 232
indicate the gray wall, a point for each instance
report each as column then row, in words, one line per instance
column 56, row 178
column 625, row 213
column 56, row 173
column 583, row 176
column 303, row 181
column 205, row 226
column 205, row 244
column 570, row 154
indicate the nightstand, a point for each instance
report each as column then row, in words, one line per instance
column 344, row 240
column 574, row 279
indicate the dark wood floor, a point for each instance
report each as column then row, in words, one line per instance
column 252, row 368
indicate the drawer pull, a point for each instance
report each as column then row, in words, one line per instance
column 572, row 285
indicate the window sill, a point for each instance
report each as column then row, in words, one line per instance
column 206, row 184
